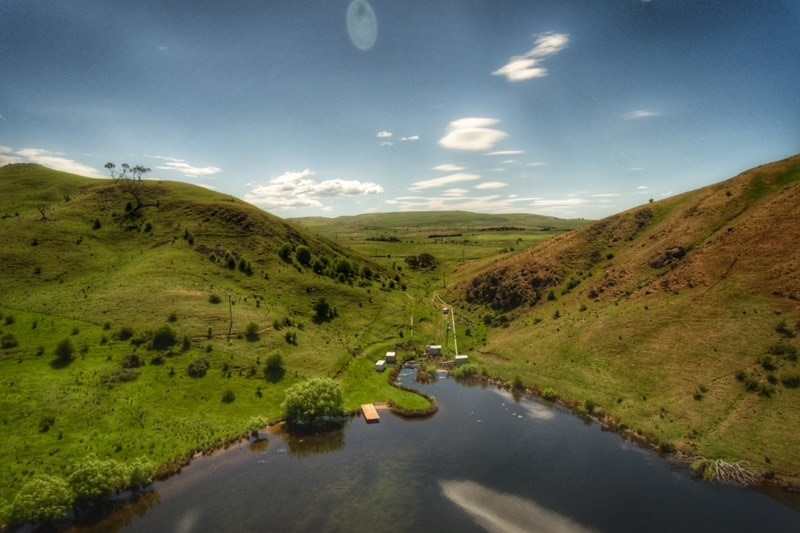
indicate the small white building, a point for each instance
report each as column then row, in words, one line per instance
column 434, row 349
column 391, row 357
column 380, row 365
column 462, row 360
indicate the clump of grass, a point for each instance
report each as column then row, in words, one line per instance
column 466, row 371
column 214, row 298
column 549, row 394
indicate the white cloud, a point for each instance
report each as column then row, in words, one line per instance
column 453, row 200
column 384, row 134
column 605, row 195
column 440, row 182
column 387, row 143
column 491, row 185
column 7, row 156
column 56, row 161
column 410, row 138
column 185, row 168
column 447, row 167
column 558, row 204
column 538, row 164
column 507, row 152
column 526, row 67
column 298, row 189
column 639, row 114
column 642, row 187
column 455, row 193
column 472, row 134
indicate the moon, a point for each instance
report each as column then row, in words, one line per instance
column 361, row 24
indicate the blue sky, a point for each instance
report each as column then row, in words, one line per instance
column 571, row 108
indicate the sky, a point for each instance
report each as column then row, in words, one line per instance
column 569, row 108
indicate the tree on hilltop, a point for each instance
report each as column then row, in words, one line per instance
column 129, row 178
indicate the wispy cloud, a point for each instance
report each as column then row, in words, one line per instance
column 507, row 152
column 441, row 182
column 299, row 189
column 384, row 134
column 447, row 167
column 7, row 156
column 456, row 199
column 527, row 66
column 472, row 134
column 410, row 138
column 185, row 168
column 491, row 185
column 640, row 114
column 53, row 160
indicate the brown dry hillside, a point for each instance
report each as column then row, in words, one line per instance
column 745, row 231
column 679, row 319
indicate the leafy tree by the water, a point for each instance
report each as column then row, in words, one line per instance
column 315, row 403
column 95, row 479
column 42, row 499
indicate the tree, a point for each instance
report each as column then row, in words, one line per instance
column 42, row 499
column 96, row 479
column 64, row 351
column 129, row 179
column 303, row 255
column 322, row 310
column 315, row 403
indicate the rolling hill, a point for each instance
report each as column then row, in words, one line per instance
column 678, row 320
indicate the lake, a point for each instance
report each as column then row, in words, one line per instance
column 483, row 462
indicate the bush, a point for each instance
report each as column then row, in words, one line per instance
column 322, row 310
column 518, row 383
column 8, row 341
column 549, row 394
column 466, row 371
column 228, row 396
column 198, row 368
column 214, row 298
column 165, row 337
column 315, row 403
column 132, row 361
column 96, row 479
column 251, row 331
column 124, row 333
column 274, row 370
column 64, row 351
column 285, row 252
column 42, row 499
column 303, row 255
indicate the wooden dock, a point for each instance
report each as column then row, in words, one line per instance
column 370, row 413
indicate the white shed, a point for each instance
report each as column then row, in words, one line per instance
column 380, row 365
column 391, row 357
column 462, row 360
column 434, row 349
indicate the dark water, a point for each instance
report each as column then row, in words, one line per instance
column 484, row 462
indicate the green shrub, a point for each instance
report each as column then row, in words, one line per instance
column 64, row 351
column 8, row 320
column 251, row 331
column 285, row 252
column 164, row 337
column 303, row 255
column 198, row 368
column 95, row 479
column 43, row 498
column 124, row 333
column 549, row 394
column 517, row 383
column 228, row 396
column 8, row 341
column 466, row 371
column 214, row 298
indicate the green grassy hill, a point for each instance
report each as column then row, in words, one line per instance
column 141, row 295
column 678, row 320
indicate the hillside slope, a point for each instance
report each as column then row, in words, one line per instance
column 679, row 319
column 130, row 333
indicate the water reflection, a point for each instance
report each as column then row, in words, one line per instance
column 505, row 513
column 534, row 410
column 313, row 444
